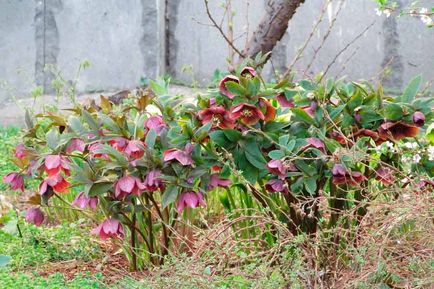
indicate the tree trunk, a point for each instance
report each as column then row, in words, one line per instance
column 272, row 26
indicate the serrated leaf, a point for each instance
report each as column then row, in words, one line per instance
column 411, row 89
column 276, row 154
column 52, row 138
column 202, row 132
column 232, row 134
column 97, row 189
column 235, row 88
column 301, row 115
column 169, row 196
column 151, row 136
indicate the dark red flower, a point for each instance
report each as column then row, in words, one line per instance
column 310, row 109
column 20, row 151
column 215, row 181
column 339, row 137
column 76, row 144
column 119, row 143
column 277, row 168
column 248, row 72
column 365, row 132
column 418, row 118
column 316, row 143
column 110, row 228
column 385, row 175
column 274, row 186
column 134, row 149
column 56, row 182
column 55, row 163
column 270, row 111
column 15, row 180
column 219, row 116
column 182, row 156
column 342, row 176
column 247, row 113
column 425, row 186
column 222, row 86
column 34, row 216
column 128, row 185
column 283, row 101
column 94, row 151
column 156, row 123
column 153, row 182
column 83, row 201
column 190, row 199
column 397, row 130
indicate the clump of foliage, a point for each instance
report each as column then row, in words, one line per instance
column 310, row 155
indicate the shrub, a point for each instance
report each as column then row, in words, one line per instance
column 307, row 153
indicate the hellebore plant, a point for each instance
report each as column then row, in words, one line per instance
column 284, row 147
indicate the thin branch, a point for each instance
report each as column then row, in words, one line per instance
column 358, row 36
column 219, row 28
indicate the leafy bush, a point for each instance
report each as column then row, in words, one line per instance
column 310, row 155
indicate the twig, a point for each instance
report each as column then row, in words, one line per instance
column 208, row 12
column 345, row 48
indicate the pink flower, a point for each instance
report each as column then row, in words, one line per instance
column 316, row 143
column 156, row 123
column 190, row 199
column 277, row 168
column 94, row 151
column 274, row 185
column 247, row 113
column 56, row 182
column 128, row 185
column 310, row 109
column 418, row 118
column 153, row 182
column 34, row 216
column 216, row 181
column 54, row 163
column 219, row 116
column 15, row 180
column 342, row 176
column 119, row 143
column 222, row 85
column 182, row 156
column 83, row 201
column 20, row 151
column 76, row 144
column 134, row 150
column 385, row 175
column 283, row 101
column 110, row 228
column 248, row 72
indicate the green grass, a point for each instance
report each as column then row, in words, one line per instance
column 22, row 280
column 9, row 138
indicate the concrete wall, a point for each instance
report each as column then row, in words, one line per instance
column 129, row 39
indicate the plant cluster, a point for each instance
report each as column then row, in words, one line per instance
column 304, row 152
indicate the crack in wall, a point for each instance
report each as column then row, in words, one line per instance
column 47, row 42
column 171, row 44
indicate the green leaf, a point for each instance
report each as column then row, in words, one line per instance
column 254, row 154
column 76, row 125
column 393, row 111
column 302, row 115
column 4, row 260
column 276, row 154
column 169, row 195
column 90, row 120
column 430, row 133
column 97, row 189
column 120, row 158
column 52, row 138
column 151, row 136
column 202, row 132
column 219, row 138
column 251, row 174
column 310, row 185
column 411, row 89
column 283, row 140
column 235, row 88
column 232, row 134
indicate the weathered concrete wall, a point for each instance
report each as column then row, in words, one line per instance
column 130, row 39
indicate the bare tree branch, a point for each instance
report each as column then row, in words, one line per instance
column 220, row 29
column 272, row 26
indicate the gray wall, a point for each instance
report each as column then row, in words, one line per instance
column 126, row 40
